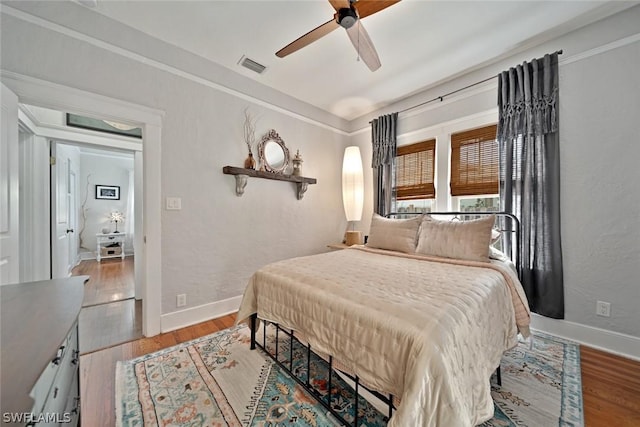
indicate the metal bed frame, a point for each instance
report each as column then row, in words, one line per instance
column 306, row 384
column 509, row 224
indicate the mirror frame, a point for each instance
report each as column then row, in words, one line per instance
column 272, row 136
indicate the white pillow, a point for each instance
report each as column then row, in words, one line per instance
column 394, row 234
column 468, row 240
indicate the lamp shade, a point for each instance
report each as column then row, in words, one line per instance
column 352, row 184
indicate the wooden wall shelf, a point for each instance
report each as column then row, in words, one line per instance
column 242, row 174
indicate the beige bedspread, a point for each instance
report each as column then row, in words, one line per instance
column 429, row 332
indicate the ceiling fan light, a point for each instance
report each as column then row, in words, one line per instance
column 347, row 16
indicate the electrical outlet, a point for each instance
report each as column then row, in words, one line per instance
column 174, row 203
column 181, row 300
column 603, row 309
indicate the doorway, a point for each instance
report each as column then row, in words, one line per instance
column 111, row 311
column 45, row 94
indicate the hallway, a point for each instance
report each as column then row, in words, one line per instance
column 110, row 315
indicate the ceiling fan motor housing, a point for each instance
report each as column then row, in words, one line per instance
column 347, row 16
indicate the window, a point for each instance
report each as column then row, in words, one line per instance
column 479, row 204
column 414, row 172
column 474, row 162
column 474, row 170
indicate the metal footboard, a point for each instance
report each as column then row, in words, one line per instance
column 306, row 383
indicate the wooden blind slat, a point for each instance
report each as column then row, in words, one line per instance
column 415, row 165
column 474, row 162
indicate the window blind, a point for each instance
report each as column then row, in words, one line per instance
column 474, row 162
column 415, row 166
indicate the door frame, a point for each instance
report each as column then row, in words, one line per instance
column 10, row 266
column 147, row 237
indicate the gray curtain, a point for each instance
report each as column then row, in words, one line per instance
column 530, row 176
column 383, row 139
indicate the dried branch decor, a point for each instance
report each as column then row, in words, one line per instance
column 249, row 130
column 84, row 213
column 249, row 137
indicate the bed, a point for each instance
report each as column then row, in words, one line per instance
column 422, row 313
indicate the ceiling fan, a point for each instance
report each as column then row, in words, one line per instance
column 348, row 15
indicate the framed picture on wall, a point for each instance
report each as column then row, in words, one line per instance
column 109, row 192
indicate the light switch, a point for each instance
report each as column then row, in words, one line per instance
column 174, row 203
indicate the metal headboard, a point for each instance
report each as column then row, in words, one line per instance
column 509, row 226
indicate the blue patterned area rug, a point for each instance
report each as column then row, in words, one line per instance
column 217, row 381
column 541, row 385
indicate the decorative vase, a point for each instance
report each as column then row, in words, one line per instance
column 250, row 162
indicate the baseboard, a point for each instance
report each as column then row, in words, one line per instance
column 86, row 256
column 612, row 342
column 201, row 313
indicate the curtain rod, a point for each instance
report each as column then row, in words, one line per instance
column 441, row 98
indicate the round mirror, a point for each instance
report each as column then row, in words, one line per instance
column 274, row 155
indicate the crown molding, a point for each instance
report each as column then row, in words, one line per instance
column 26, row 17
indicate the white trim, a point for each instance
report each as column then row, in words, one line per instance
column 601, row 49
column 476, row 90
column 201, row 313
column 26, row 121
column 493, row 83
column 612, row 342
column 480, row 88
column 42, row 93
column 462, row 123
column 117, row 155
column 161, row 66
column 63, row 134
column 50, row 95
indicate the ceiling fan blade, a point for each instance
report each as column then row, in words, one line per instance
column 308, row 38
column 364, row 46
column 339, row 4
column 369, row 7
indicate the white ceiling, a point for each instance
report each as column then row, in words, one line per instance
column 420, row 43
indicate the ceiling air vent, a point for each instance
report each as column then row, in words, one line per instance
column 252, row 65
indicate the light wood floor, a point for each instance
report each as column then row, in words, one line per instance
column 110, row 315
column 610, row 389
column 112, row 279
column 104, row 325
column 610, row 384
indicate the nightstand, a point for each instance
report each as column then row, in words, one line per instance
column 110, row 245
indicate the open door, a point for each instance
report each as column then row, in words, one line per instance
column 72, row 207
column 61, row 213
column 9, row 200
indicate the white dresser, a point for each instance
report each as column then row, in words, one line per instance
column 40, row 352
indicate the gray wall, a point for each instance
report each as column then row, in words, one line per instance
column 211, row 246
column 102, row 169
column 600, row 153
column 600, row 137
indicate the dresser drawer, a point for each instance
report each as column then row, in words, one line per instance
column 54, row 389
column 43, row 386
column 73, row 402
